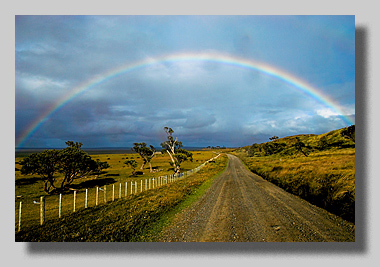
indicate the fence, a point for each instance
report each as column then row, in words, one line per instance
column 132, row 187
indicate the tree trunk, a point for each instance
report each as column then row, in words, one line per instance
column 150, row 167
column 46, row 187
column 176, row 167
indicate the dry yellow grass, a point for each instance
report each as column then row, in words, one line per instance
column 324, row 178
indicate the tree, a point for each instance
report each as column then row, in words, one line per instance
column 273, row 138
column 133, row 164
column 44, row 164
column 174, row 148
column 146, row 153
column 72, row 162
column 75, row 163
column 101, row 165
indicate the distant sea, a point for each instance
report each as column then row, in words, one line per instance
column 24, row 152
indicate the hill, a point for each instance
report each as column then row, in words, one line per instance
column 305, row 143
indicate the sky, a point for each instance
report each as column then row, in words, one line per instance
column 110, row 81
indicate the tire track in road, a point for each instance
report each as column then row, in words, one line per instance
column 242, row 207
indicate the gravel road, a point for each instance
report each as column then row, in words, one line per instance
column 242, row 207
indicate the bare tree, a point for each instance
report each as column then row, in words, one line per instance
column 146, row 153
column 174, row 148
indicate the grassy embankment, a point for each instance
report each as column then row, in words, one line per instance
column 325, row 178
column 124, row 219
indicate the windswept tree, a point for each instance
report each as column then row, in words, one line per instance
column 75, row 163
column 133, row 164
column 146, row 153
column 45, row 164
column 174, row 148
column 72, row 162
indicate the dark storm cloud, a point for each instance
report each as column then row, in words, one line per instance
column 206, row 103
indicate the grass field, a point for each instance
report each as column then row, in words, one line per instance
column 137, row 217
column 29, row 188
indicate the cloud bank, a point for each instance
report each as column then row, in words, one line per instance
column 206, row 103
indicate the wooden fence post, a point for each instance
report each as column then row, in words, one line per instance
column 146, row 184
column 131, row 188
column 19, row 217
column 135, row 187
column 60, row 206
column 119, row 190
column 75, row 199
column 86, row 200
column 141, row 187
column 113, row 192
column 149, row 183
column 105, row 193
column 42, row 210
column 126, row 187
column 97, row 196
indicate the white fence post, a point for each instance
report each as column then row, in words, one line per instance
column 60, row 206
column 120, row 190
column 105, row 193
column 75, row 199
column 42, row 210
column 141, row 187
column 19, row 217
column 86, row 200
column 97, row 196
column 126, row 187
column 113, row 192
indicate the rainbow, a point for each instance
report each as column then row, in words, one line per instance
column 219, row 58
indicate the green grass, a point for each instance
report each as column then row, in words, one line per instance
column 125, row 219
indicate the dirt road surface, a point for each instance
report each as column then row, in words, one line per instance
column 242, row 207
